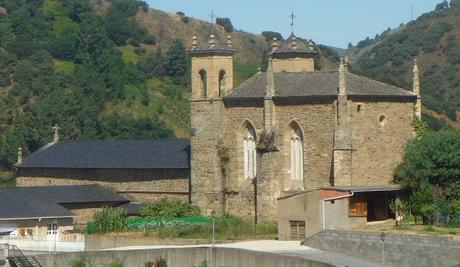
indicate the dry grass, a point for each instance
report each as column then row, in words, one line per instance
column 412, row 228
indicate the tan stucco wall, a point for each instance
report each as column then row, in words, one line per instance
column 38, row 228
column 303, row 207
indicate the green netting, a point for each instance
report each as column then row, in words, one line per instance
column 142, row 224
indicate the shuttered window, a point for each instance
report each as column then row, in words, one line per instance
column 358, row 206
column 297, row 230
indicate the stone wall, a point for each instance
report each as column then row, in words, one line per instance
column 180, row 257
column 317, row 122
column 378, row 146
column 207, row 181
column 399, row 249
column 138, row 185
column 293, row 64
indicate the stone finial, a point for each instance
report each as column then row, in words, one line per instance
column 194, row 42
column 212, row 41
column 275, row 44
column 342, row 81
column 270, row 90
column 416, row 90
column 56, row 133
column 229, row 41
column 294, row 43
column 311, row 45
column 20, row 156
column 342, row 64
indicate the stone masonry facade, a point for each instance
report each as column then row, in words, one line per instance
column 376, row 130
column 138, row 185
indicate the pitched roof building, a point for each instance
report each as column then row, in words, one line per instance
column 290, row 130
column 142, row 170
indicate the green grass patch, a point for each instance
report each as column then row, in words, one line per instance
column 227, row 227
column 65, row 67
column 128, row 54
column 54, row 7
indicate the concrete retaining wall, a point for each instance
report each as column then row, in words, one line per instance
column 180, row 257
column 99, row 242
column 400, row 249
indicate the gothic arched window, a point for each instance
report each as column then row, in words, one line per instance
column 222, row 82
column 296, row 154
column 203, row 84
column 249, row 153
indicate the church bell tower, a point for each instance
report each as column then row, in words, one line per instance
column 212, row 79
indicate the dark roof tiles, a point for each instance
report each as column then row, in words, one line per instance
column 125, row 154
column 317, row 83
column 44, row 201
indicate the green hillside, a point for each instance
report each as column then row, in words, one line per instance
column 102, row 70
column 433, row 38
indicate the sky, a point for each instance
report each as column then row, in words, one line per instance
column 333, row 22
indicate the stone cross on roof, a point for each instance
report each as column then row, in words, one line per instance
column 212, row 16
column 292, row 16
column 56, row 133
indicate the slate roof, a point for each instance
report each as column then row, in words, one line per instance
column 44, row 201
column 124, row 154
column 302, row 47
column 316, row 84
column 219, row 47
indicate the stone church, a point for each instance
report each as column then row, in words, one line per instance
column 283, row 132
column 291, row 129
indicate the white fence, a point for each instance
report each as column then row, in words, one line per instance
column 44, row 245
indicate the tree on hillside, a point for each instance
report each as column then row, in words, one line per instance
column 443, row 5
column 269, row 35
column 226, row 23
column 454, row 3
column 177, row 60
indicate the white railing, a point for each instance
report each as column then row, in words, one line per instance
column 44, row 245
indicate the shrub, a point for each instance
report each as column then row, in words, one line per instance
column 78, row 263
column 139, row 50
column 160, row 263
column 226, row 23
column 117, row 263
column 165, row 208
column 185, row 19
column 269, row 35
column 110, row 220
column 150, row 39
column 180, row 13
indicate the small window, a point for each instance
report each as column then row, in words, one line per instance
column 222, row 83
column 204, row 83
column 52, row 229
column 297, row 230
column 359, row 108
column 382, row 119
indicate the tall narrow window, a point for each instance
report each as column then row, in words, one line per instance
column 204, row 83
column 296, row 155
column 222, row 83
column 250, row 154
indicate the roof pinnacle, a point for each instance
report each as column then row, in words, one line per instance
column 292, row 16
